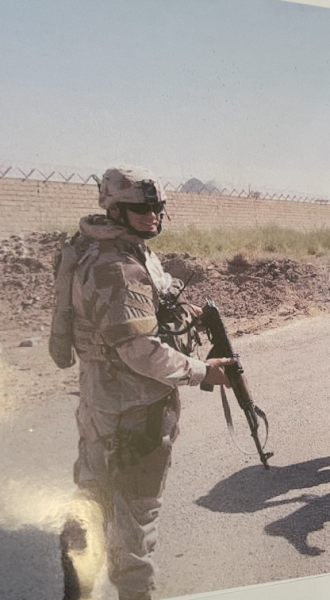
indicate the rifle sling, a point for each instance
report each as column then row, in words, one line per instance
column 227, row 412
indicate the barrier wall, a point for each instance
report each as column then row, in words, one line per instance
column 32, row 205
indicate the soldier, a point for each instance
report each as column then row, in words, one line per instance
column 130, row 372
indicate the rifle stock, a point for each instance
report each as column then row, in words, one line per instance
column 221, row 348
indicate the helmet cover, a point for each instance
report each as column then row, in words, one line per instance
column 130, row 184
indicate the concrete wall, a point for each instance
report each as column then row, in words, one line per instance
column 43, row 206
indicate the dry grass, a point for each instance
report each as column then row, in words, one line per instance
column 255, row 242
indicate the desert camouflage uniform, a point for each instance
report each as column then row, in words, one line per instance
column 128, row 412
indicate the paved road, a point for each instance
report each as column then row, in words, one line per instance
column 226, row 521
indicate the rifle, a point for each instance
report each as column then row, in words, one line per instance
column 222, row 348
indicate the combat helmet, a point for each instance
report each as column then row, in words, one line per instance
column 129, row 185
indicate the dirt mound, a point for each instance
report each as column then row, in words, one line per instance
column 26, row 271
column 251, row 295
column 254, row 294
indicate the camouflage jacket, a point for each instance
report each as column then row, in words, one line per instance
column 116, row 291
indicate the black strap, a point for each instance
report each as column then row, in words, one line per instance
column 226, row 409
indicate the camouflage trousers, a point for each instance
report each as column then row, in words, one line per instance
column 120, row 473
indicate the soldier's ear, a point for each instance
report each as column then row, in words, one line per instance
column 113, row 212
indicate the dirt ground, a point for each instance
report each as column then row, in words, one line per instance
column 251, row 295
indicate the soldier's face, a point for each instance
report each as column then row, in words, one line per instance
column 146, row 223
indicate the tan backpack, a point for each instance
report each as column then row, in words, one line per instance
column 60, row 345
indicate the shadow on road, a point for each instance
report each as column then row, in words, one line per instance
column 296, row 527
column 254, row 489
column 30, row 565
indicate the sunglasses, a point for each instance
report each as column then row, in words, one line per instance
column 144, row 209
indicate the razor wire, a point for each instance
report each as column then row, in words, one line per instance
column 236, row 193
column 35, row 174
column 38, row 175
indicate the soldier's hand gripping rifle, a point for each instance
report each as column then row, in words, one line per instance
column 222, row 348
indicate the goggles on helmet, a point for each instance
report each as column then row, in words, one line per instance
column 149, row 191
column 145, row 208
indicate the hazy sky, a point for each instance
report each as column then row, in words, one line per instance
column 232, row 90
